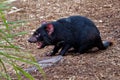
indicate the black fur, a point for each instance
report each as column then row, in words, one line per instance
column 75, row 32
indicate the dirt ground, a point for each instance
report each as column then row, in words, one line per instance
column 101, row 65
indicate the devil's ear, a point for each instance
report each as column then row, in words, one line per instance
column 50, row 29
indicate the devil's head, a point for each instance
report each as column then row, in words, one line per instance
column 42, row 36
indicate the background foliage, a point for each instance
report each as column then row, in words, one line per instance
column 11, row 55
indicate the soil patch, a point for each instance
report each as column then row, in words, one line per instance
column 101, row 65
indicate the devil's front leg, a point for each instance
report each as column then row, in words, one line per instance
column 55, row 50
column 64, row 49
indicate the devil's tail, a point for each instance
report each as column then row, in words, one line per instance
column 107, row 44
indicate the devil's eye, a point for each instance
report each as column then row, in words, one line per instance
column 38, row 35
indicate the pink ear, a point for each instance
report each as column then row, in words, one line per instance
column 50, row 29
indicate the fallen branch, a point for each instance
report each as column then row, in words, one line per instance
column 45, row 63
column 15, row 10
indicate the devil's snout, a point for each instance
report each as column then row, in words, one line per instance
column 32, row 39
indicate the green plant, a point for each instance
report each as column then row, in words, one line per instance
column 10, row 54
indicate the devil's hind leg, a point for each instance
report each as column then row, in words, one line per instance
column 84, row 48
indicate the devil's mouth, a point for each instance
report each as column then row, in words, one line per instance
column 40, row 45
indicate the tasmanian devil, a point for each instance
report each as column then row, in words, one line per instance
column 75, row 32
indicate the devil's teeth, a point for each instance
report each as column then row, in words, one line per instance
column 39, row 45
